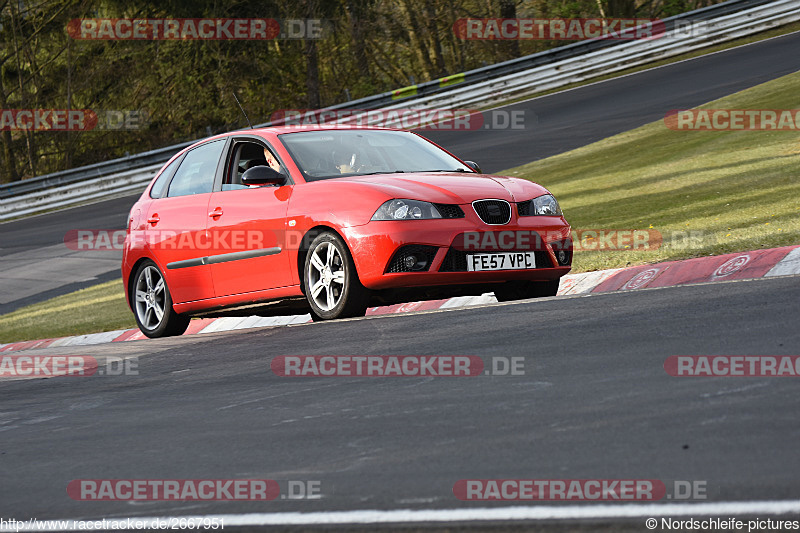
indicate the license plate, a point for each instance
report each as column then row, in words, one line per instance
column 503, row 261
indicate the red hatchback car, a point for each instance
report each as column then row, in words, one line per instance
column 332, row 220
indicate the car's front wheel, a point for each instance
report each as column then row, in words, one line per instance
column 152, row 304
column 523, row 290
column 331, row 282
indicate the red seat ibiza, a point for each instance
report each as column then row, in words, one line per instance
column 329, row 221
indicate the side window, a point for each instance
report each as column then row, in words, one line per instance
column 197, row 171
column 159, row 187
column 247, row 155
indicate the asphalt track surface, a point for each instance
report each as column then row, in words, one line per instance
column 553, row 124
column 594, row 403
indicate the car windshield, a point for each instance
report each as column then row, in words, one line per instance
column 337, row 153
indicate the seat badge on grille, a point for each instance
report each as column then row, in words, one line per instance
column 493, row 211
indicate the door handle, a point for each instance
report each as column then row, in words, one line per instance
column 217, row 212
column 154, row 219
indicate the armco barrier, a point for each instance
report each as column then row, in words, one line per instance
column 119, row 184
column 608, row 60
column 74, row 175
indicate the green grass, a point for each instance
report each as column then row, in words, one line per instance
column 739, row 190
column 98, row 308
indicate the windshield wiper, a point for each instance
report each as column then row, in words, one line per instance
column 382, row 172
column 404, row 171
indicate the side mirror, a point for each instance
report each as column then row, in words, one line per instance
column 263, row 175
column 474, row 166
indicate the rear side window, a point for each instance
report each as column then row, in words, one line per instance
column 197, row 170
column 160, row 186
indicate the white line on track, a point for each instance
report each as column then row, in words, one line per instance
column 723, row 510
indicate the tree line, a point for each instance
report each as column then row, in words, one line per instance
column 145, row 94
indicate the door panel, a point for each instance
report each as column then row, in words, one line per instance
column 175, row 240
column 247, row 239
column 177, row 225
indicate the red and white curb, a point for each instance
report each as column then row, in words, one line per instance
column 771, row 262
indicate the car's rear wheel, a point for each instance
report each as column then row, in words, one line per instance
column 331, row 282
column 152, row 304
column 523, row 290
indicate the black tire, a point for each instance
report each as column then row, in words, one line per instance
column 523, row 290
column 148, row 297
column 337, row 293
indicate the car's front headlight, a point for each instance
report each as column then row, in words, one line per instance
column 544, row 205
column 406, row 210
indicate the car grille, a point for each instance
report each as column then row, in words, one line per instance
column 449, row 210
column 456, row 260
column 423, row 254
column 495, row 212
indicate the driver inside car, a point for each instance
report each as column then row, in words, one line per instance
column 344, row 161
column 271, row 161
column 268, row 160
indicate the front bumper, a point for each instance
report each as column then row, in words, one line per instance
column 374, row 246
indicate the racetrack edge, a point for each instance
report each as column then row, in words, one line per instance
column 771, row 262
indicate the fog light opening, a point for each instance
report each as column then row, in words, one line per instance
column 414, row 264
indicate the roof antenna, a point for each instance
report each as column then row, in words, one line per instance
column 243, row 113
